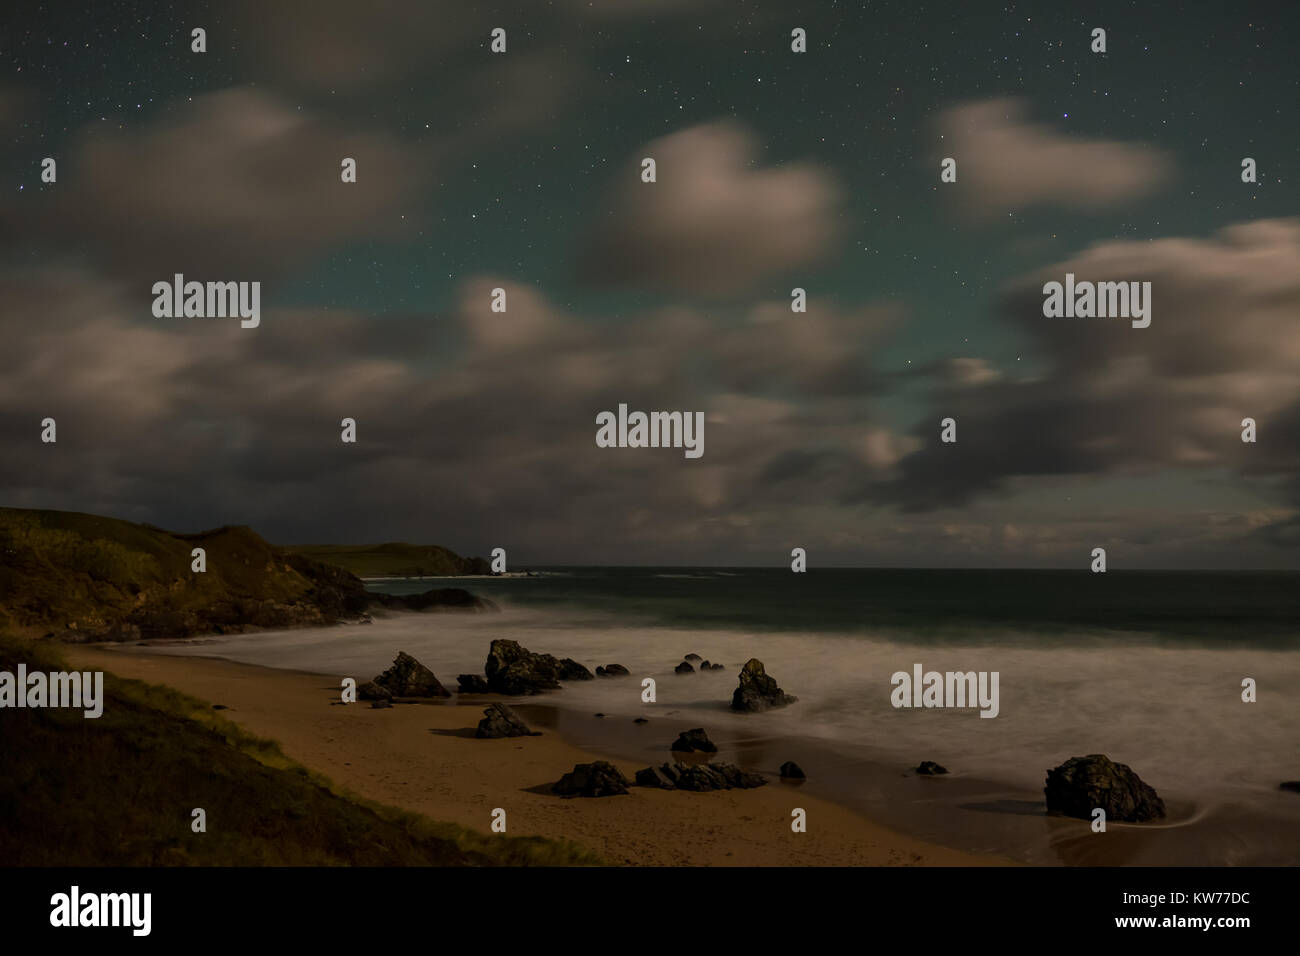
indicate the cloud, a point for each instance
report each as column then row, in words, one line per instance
column 713, row 223
column 1223, row 345
column 1005, row 162
column 239, row 184
column 196, row 422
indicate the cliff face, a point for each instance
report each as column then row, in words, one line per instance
column 86, row 577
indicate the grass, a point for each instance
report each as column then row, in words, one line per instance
column 119, row 791
column 80, row 573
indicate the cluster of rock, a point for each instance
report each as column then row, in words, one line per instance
column 612, row 670
column 698, row 777
column 599, row 779
column 691, row 661
column 406, row 678
column 1082, row 784
column 928, row 768
column 514, row 671
column 500, row 721
column 758, row 691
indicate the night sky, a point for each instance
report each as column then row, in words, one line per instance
column 775, row 170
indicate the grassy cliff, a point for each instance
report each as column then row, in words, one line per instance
column 395, row 559
column 119, row 791
column 95, row 577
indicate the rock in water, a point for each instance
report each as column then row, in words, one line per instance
column 515, row 670
column 929, row 768
column 792, row 771
column 409, row 678
column 683, row 668
column 690, row 741
column 757, row 691
column 599, row 779
column 500, row 721
column 1082, row 784
column 569, row 669
column 612, row 670
column 1292, row 785
column 372, row 691
column 692, row 657
column 471, row 684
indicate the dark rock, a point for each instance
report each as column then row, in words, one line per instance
column 220, row 707
column 705, row 666
column 373, row 691
column 717, row 667
column 612, row 670
column 792, row 771
column 407, row 677
column 701, row 778
column 569, row 669
column 600, row 671
column 600, row 715
column 929, row 768
column 692, row 657
column 740, row 779
column 683, row 668
column 472, row 684
column 1292, row 785
column 380, row 704
column 691, row 741
column 1082, row 784
column 758, row 691
column 500, row 721
column 515, row 670
column 599, row 779
column 641, row 720
column 654, row 777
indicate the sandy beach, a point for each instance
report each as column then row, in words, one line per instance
column 425, row 758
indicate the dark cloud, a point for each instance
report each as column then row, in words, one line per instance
column 1113, row 400
column 194, row 422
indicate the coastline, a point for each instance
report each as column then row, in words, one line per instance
column 425, row 758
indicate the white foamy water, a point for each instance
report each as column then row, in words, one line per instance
column 1174, row 715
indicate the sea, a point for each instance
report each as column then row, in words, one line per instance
column 1146, row 667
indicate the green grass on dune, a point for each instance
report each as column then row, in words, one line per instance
column 90, row 574
column 119, row 790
